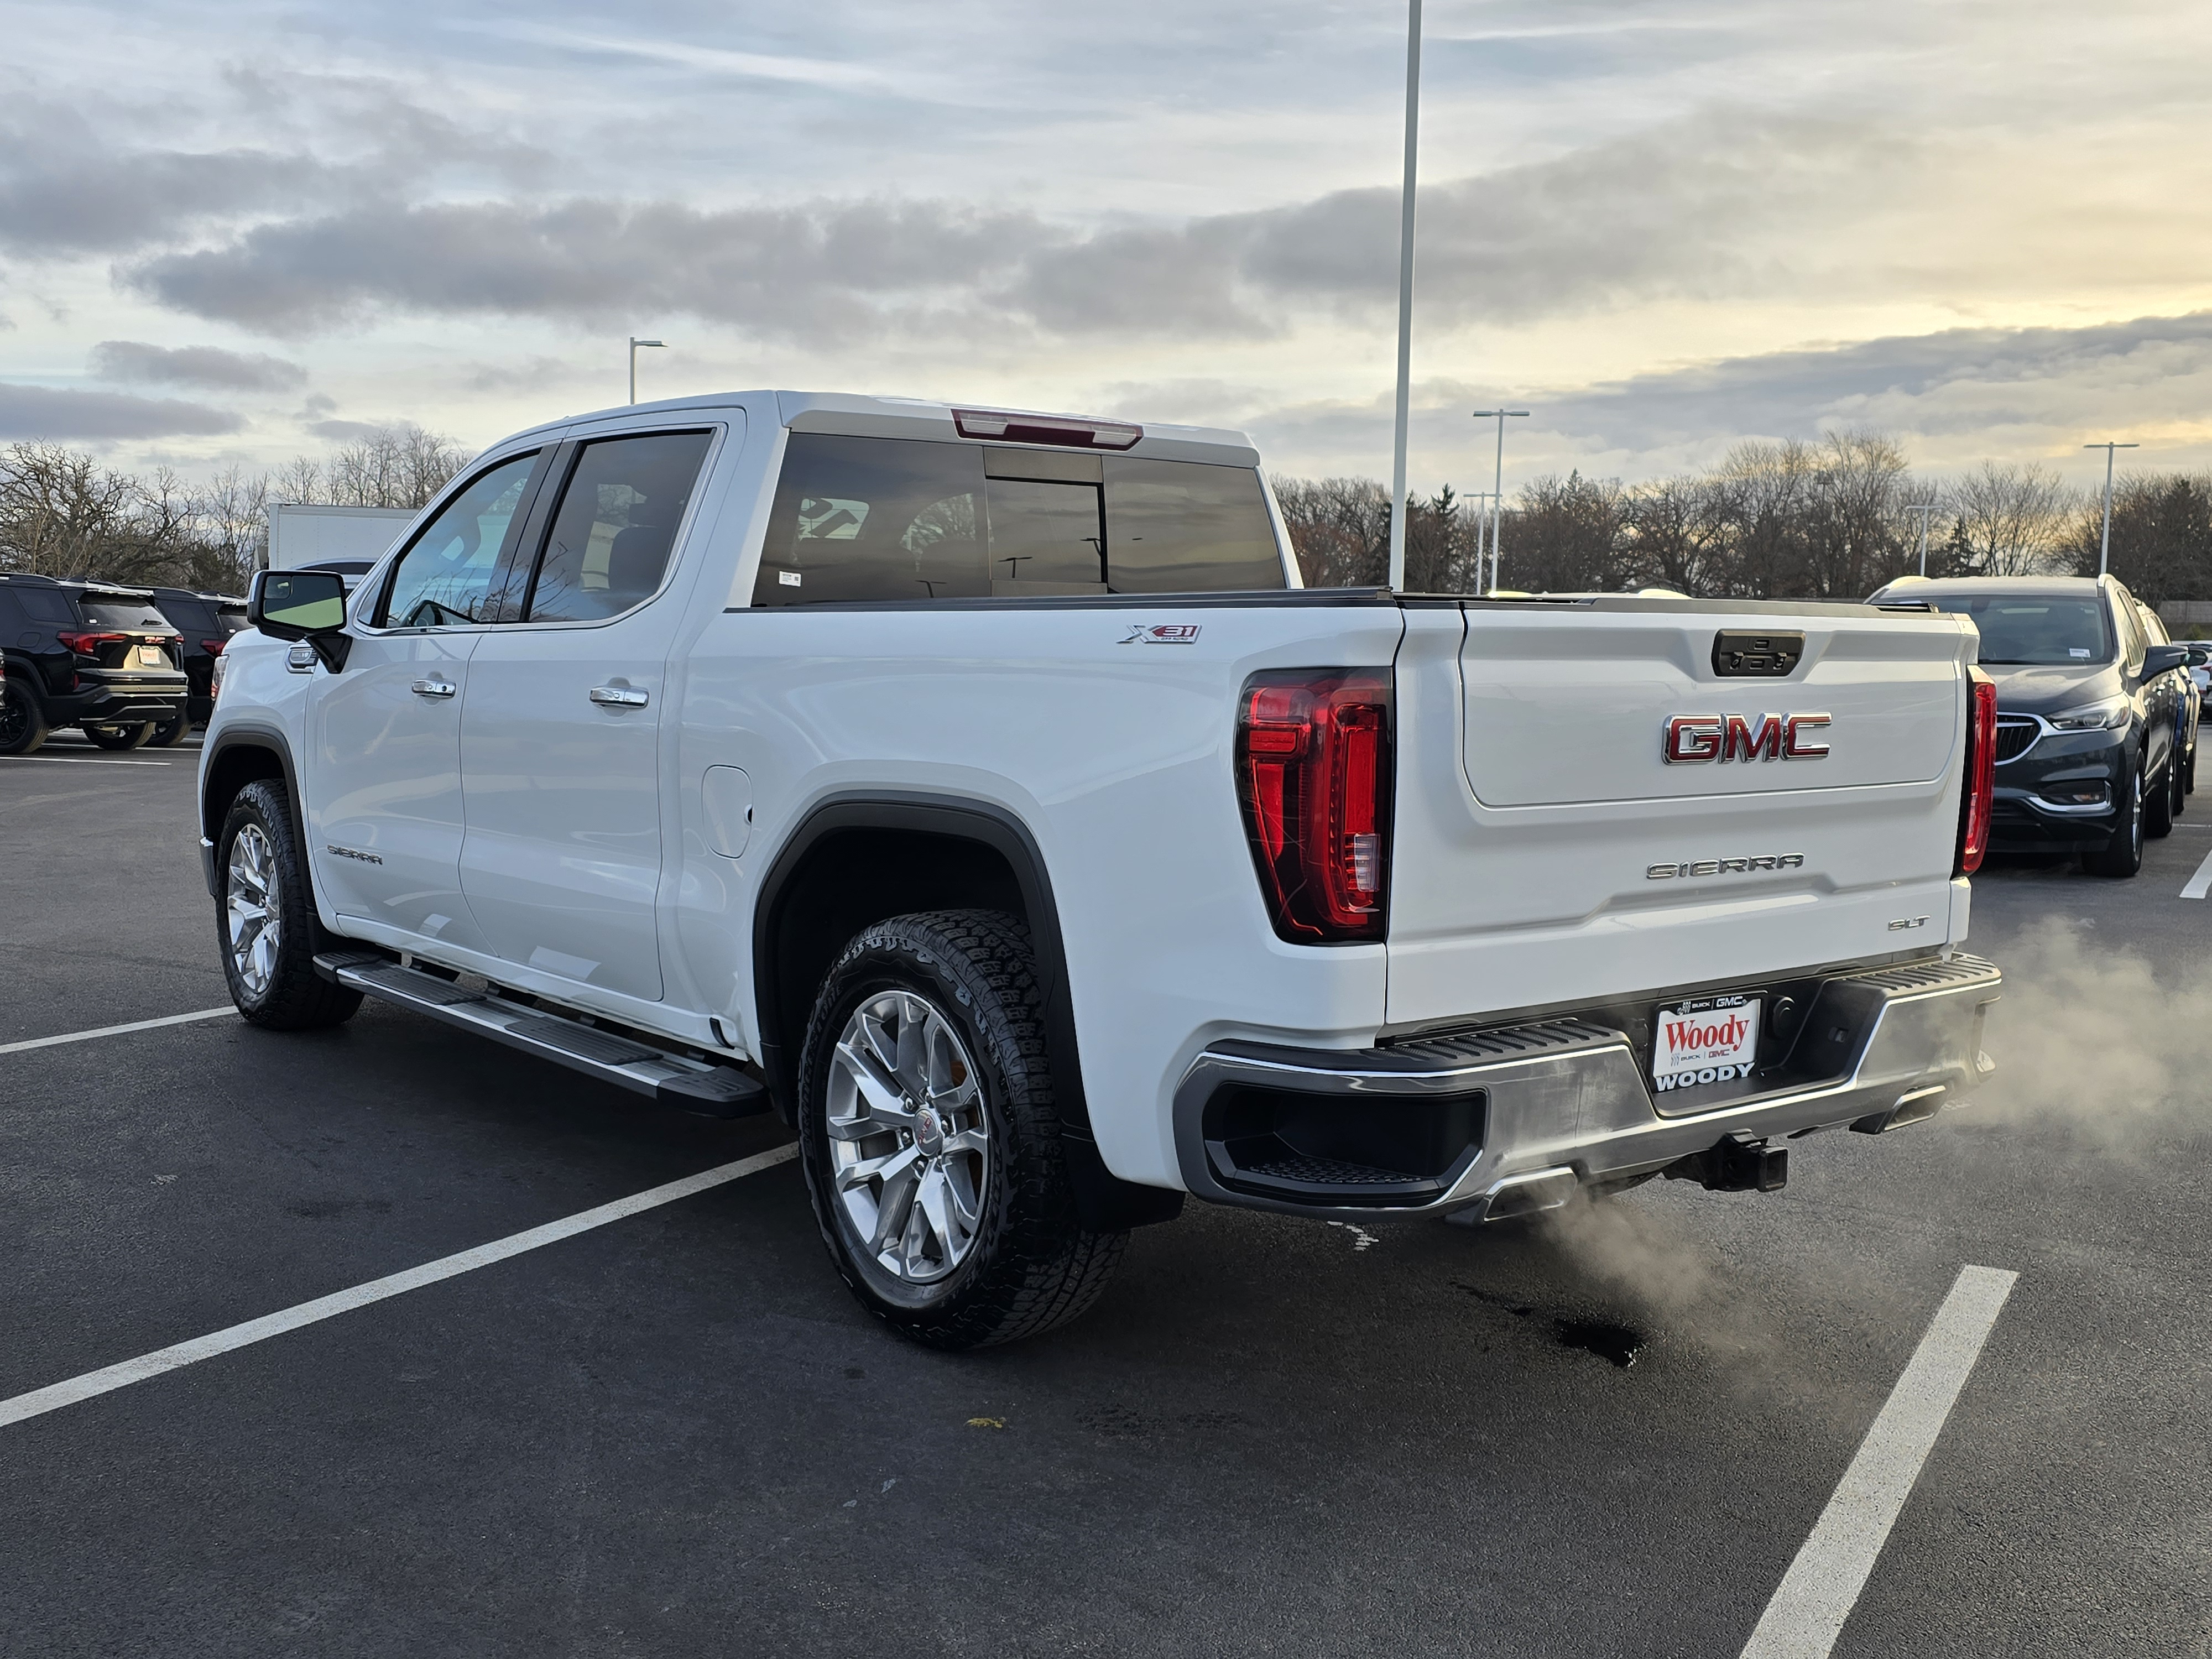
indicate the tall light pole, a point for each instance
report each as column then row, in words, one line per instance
column 1923, row 509
column 1497, row 493
column 1406, row 295
column 1480, row 497
column 635, row 343
column 2104, row 548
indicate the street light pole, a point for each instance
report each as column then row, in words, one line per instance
column 1406, row 295
column 635, row 343
column 1923, row 509
column 1498, row 492
column 2104, row 548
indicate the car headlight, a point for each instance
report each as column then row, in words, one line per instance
column 2109, row 715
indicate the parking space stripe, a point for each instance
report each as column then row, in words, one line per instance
column 92, row 1385
column 1816, row 1596
column 77, row 760
column 115, row 1030
column 2201, row 883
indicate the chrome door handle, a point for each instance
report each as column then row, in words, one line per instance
column 433, row 688
column 620, row 697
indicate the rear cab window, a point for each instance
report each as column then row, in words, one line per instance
column 904, row 520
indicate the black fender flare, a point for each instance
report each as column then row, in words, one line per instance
column 248, row 734
column 1108, row 1203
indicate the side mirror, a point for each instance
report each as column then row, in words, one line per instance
column 2164, row 660
column 302, row 604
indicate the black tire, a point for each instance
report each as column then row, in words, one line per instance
column 22, row 725
column 2123, row 855
column 2158, row 800
column 1030, row 1265
column 168, row 734
column 2189, row 773
column 116, row 737
column 292, row 997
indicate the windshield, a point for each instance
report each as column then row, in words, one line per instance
column 2041, row 630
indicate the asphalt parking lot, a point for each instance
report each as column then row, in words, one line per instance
column 678, row 1434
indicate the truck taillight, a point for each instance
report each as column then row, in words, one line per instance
column 1313, row 773
column 1980, row 796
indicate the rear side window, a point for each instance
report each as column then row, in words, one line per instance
column 874, row 519
column 230, row 618
column 49, row 605
column 444, row 579
column 895, row 519
column 616, row 526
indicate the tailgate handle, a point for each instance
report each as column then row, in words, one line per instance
column 1740, row 653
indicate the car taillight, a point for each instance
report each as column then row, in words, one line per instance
column 1980, row 795
column 215, row 682
column 213, row 648
column 88, row 645
column 1313, row 774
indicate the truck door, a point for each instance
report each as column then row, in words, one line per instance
column 384, row 783
column 560, row 736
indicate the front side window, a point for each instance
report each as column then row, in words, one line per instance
column 900, row 518
column 616, row 526
column 445, row 579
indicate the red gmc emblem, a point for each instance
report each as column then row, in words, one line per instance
column 1694, row 738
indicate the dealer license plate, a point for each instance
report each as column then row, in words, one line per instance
column 1704, row 1039
column 149, row 656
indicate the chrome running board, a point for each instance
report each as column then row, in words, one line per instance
column 673, row 1079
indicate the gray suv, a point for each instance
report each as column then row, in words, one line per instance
column 2088, row 714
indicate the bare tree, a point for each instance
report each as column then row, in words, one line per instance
column 2008, row 520
column 1340, row 529
column 392, row 466
column 59, row 510
column 1567, row 537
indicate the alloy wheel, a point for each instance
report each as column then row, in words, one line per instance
column 909, row 1138
column 252, row 918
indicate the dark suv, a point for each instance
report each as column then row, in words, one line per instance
column 2088, row 714
column 205, row 623
column 85, row 654
column 2188, row 707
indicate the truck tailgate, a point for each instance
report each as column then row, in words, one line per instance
column 1547, row 852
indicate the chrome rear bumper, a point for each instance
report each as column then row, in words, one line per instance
column 1516, row 1118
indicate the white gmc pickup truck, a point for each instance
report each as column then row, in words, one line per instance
column 981, row 791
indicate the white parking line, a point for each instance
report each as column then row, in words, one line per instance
column 2201, row 883
column 1817, row 1594
column 111, row 1377
column 115, row 1030
column 58, row 760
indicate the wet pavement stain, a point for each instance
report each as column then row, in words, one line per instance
column 1603, row 1338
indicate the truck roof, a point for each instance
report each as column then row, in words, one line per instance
column 859, row 416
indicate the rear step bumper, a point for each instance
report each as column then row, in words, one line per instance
column 673, row 1079
column 1506, row 1121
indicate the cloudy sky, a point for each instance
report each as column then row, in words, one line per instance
column 233, row 232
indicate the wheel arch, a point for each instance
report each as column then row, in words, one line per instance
column 858, row 858
column 243, row 754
